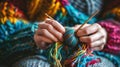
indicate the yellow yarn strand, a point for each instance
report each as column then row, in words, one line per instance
column 56, row 7
column 34, row 6
column 54, row 56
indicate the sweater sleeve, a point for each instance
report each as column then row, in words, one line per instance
column 16, row 34
column 113, row 41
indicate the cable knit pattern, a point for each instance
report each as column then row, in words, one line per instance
column 113, row 42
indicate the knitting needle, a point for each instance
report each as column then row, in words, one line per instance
column 49, row 16
column 88, row 19
column 83, row 23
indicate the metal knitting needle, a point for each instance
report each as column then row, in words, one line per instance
column 88, row 19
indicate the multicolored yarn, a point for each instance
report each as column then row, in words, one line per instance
column 115, row 59
column 17, row 46
column 72, row 16
column 16, row 40
column 38, row 8
column 113, row 40
column 16, row 35
column 9, row 12
column 70, row 37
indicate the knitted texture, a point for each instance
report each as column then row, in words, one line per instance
column 115, row 59
column 113, row 40
column 87, row 6
column 18, row 36
column 32, row 61
column 72, row 16
column 9, row 12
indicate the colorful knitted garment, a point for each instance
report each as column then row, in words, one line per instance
column 113, row 43
column 87, row 6
column 16, row 35
column 16, row 45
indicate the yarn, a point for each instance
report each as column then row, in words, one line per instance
column 71, row 41
column 68, row 47
column 112, row 45
column 115, row 59
column 72, row 16
column 69, row 36
column 87, row 6
column 38, row 8
column 9, row 12
column 32, row 61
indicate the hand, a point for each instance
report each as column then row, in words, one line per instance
column 93, row 35
column 49, row 31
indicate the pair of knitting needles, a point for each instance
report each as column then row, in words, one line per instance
column 83, row 23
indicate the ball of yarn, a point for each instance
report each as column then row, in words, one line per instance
column 69, row 37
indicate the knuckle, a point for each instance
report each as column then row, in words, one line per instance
column 51, row 22
column 97, row 25
column 101, row 47
column 101, row 34
column 91, row 44
column 86, row 31
column 49, row 26
column 44, row 31
column 103, row 41
column 90, row 40
column 40, row 24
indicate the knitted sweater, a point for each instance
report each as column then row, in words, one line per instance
column 17, row 35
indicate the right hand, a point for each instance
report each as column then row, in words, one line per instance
column 48, row 32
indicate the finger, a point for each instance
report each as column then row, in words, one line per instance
column 76, row 27
column 89, row 39
column 88, row 30
column 56, row 25
column 52, row 30
column 40, row 39
column 47, row 34
column 98, row 48
column 97, row 43
column 44, row 45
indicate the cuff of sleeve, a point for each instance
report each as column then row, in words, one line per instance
column 113, row 40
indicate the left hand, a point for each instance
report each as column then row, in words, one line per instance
column 93, row 35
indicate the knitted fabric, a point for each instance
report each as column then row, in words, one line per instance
column 9, row 12
column 16, row 46
column 115, row 59
column 72, row 16
column 16, row 36
column 32, row 61
column 87, row 6
column 16, row 41
column 113, row 40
